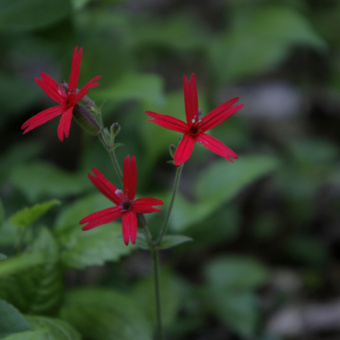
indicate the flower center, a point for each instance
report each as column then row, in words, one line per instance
column 196, row 122
column 126, row 205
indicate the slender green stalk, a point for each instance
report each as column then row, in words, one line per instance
column 157, row 293
column 174, row 192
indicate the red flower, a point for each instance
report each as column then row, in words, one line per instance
column 66, row 96
column 195, row 127
column 126, row 205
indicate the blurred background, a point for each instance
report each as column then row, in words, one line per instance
column 265, row 261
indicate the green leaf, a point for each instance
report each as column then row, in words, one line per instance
column 91, row 247
column 27, row 216
column 262, row 42
column 223, row 180
column 144, row 295
column 3, row 256
column 135, row 87
column 11, row 321
column 170, row 241
column 2, row 213
column 29, row 335
column 100, row 314
column 26, row 15
column 236, row 274
column 141, row 241
column 33, row 281
column 40, row 179
column 55, row 329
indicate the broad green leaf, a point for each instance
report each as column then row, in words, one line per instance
column 31, row 14
column 101, row 314
column 33, row 281
column 262, row 42
column 135, row 87
column 236, row 274
column 141, row 241
column 11, row 321
column 3, row 256
column 144, row 295
column 55, row 329
column 39, row 179
column 223, row 180
column 29, row 335
column 27, row 216
column 91, row 247
column 170, row 241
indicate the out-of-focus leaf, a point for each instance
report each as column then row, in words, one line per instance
column 144, row 294
column 39, row 179
column 31, row 14
column 135, row 87
column 105, row 315
column 34, row 286
column 141, row 241
column 3, row 256
column 11, row 321
column 236, row 273
column 29, row 335
column 2, row 213
column 90, row 247
column 55, row 329
column 223, row 180
column 27, row 216
column 261, row 43
column 170, row 241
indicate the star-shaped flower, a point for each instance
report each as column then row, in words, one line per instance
column 126, row 205
column 196, row 126
column 67, row 97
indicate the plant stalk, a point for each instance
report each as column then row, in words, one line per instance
column 157, row 294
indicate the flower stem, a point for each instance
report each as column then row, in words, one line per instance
column 157, row 293
column 174, row 192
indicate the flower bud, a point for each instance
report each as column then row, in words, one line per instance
column 86, row 120
column 114, row 129
column 172, row 150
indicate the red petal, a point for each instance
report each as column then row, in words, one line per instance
column 129, row 227
column 216, row 146
column 220, row 114
column 82, row 92
column 65, row 124
column 101, row 217
column 184, row 149
column 168, row 122
column 190, row 98
column 42, row 117
column 145, row 205
column 104, row 186
column 130, row 177
column 75, row 69
column 51, row 87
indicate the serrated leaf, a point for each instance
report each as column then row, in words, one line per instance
column 144, row 294
column 40, row 179
column 27, row 216
column 11, row 321
column 102, row 314
column 31, row 14
column 54, row 329
column 33, row 281
column 170, row 241
column 91, row 247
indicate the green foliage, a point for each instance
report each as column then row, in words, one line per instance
column 11, row 321
column 3, row 256
column 91, row 247
column 102, row 314
column 261, row 42
column 33, row 281
column 170, row 241
column 27, row 216
column 231, row 282
column 31, row 14
column 40, row 179
column 143, row 294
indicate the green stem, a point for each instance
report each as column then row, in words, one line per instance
column 157, row 293
column 174, row 192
